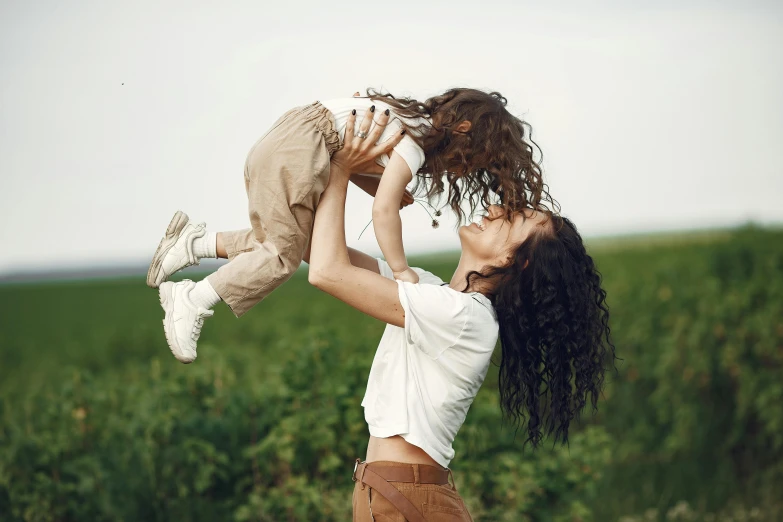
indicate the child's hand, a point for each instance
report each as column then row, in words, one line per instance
column 407, row 275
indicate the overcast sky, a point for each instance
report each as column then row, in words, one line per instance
column 115, row 114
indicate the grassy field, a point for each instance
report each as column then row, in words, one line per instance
column 99, row 422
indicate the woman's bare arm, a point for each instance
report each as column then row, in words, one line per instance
column 331, row 269
column 358, row 259
column 360, row 155
column 351, row 277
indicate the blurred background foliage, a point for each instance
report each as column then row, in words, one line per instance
column 98, row 422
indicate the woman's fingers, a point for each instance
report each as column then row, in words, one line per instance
column 380, row 124
column 349, row 128
column 387, row 146
column 364, row 127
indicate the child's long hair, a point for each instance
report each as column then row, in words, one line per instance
column 495, row 155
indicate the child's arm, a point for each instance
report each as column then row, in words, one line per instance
column 386, row 217
column 369, row 184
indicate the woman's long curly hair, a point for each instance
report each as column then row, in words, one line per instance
column 495, row 155
column 554, row 330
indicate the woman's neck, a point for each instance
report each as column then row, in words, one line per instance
column 459, row 279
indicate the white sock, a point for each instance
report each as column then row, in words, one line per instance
column 206, row 246
column 204, row 295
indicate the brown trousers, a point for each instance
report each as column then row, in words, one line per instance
column 436, row 502
column 286, row 172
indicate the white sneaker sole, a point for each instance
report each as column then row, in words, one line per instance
column 167, row 303
column 155, row 274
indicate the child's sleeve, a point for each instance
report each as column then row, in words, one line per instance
column 411, row 153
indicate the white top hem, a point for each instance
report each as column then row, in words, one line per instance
column 385, row 433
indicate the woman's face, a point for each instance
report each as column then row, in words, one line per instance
column 491, row 240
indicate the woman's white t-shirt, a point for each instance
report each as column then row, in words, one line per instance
column 425, row 376
column 407, row 148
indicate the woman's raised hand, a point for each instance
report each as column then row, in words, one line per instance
column 361, row 149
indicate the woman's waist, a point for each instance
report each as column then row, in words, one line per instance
column 397, row 449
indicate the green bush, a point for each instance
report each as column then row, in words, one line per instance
column 203, row 446
column 698, row 401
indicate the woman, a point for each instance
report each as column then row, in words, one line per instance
column 526, row 279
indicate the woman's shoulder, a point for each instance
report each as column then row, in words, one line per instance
column 427, row 278
column 472, row 303
column 438, row 317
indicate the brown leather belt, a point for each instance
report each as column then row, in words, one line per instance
column 378, row 476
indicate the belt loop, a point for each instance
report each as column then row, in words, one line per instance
column 361, row 479
column 416, row 477
column 355, row 467
column 453, row 484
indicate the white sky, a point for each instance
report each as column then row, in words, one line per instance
column 649, row 118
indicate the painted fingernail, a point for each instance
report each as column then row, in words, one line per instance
column 386, row 112
column 353, row 112
column 372, row 109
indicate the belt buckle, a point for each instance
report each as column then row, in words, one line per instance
column 355, row 467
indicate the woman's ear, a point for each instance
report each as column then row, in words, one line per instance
column 464, row 126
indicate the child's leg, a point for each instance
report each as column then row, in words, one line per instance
column 187, row 304
column 182, row 245
column 262, row 258
column 285, row 174
column 220, row 247
column 230, row 244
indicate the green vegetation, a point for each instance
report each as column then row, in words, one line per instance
column 100, row 423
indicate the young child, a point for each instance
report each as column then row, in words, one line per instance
column 463, row 143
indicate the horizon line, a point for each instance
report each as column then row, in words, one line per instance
column 136, row 267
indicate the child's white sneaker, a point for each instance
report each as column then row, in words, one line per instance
column 175, row 250
column 183, row 320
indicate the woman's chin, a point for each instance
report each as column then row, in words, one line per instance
column 465, row 232
column 469, row 229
